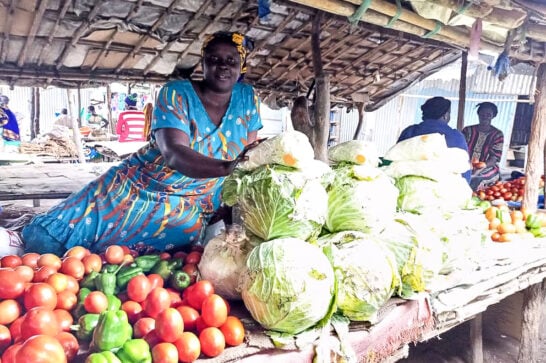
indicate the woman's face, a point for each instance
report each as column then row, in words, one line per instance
column 486, row 114
column 221, row 67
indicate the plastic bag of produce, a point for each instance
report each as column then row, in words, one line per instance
column 290, row 148
column 354, row 152
column 288, row 285
column 367, row 274
column 423, row 147
column 360, row 198
column 277, row 201
column 10, row 243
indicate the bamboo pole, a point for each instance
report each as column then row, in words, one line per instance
column 534, row 167
column 33, row 114
column 75, row 129
column 360, row 107
column 462, row 91
column 322, row 93
column 111, row 125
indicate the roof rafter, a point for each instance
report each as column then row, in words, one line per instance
column 32, row 32
column 8, row 20
column 64, row 9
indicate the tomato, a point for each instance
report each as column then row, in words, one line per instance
column 233, row 330
column 199, row 292
column 188, row 346
column 165, row 256
column 212, row 341
column 40, row 294
column 42, row 273
column 155, row 280
column 200, row 325
column 15, row 329
column 193, row 257
column 191, row 269
column 66, row 300
column 5, row 338
column 506, row 237
column 39, row 320
column 138, row 288
column 176, row 299
column 165, row 353
column 72, row 266
column 114, row 254
column 49, row 259
column 41, row 349
column 143, row 326
column 64, row 319
column 152, row 338
column 495, row 236
column 133, row 310
column 25, row 272
column 9, row 311
column 12, row 285
column 169, row 325
column 73, row 285
column 214, row 311
column 30, row 259
column 58, row 281
column 93, row 262
column 494, row 224
column 189, row 316
column 11, row 261
column 157, row 301
column 9, row 355
column 506, row 227
column 78, row 252
column 70, row 344
column 96, row 302
column 180, row 254
column 507, row 195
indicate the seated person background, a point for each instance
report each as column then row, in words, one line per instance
column 131, row 122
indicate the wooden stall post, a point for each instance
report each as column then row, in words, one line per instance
column 322, row 89
column 111, row 126
column 533, row 304
column 75, row 129
column 33, row 114
column 462, row 91
column 360, row 108
column 476, row 342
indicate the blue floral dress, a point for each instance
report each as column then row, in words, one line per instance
column 142, row 203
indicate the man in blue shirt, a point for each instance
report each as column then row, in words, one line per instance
column 436, row 114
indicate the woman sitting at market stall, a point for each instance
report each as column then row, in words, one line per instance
column 8, row 125
column 436, row 112
column 162, row 196
column 485, row 143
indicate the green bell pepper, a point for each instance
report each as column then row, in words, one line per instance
column 112, row 331
column 179, row 280
column 82, row 294
column 106, row 282
column 79, row 310
column 86, row 326
column 135, row 351
column 110, row 268
column 532, row 221
column 125, row 275
column 163, row 269
column 114, row 303
column 147, row 262
column 89, row 280
column 102, row 357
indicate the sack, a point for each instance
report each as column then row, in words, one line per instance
column 10, row 243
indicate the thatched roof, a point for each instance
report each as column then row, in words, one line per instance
column 72, row 43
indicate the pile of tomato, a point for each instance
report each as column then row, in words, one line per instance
column 507, row 190
column 39, row 293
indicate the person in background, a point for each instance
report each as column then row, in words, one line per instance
column 436, row 113
column 10, row 127
column 163, row 196
column 485, row 144
column 95, row 120
column 131, row 122
column 64, row 119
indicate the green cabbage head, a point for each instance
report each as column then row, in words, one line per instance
column 288, row 285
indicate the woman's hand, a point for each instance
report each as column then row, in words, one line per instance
column 243, row 155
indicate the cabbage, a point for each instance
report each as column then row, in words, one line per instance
column 355, row 152
column 422, row 147
column 419, row 194
column 290, row 148
column 223, row 260
column 360, row 199
column 277, row 201
column 288, row 285
column 367, row 274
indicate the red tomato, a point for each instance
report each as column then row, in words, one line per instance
column 143, row 326
column 180, row 254
column 11, row 261
column 114, row 254
column 169, row 325
column 189, row 316
column 66, row 300
column 138, row 288
column 200, row 325
column 9, row 311
column 64, row 319
column 93, row 262
column 25, row 272
column 199, row 292
column 155, row 280
column 9, row 355
column 152, row 338
column 40, row 294
column 133, row 310
column 96, row 302
column 214, row 311
column 188, row 346
column 198, row 248
column 49, row 259
column 73, row 266
column 165, row 256
column 15, row 329
column 39, row 321
column 191, row 269
column 193, row 257
column 212, row 341
column 41, row 349
column 233, row 330
column 126, row 250
column 70, row 344
column 77, row 251
column 30, row 259
column 176, row 299
column 5, row 338
column 58, row 281
column 12, row 285
column 42, row 273
column 73, row 285
column 165, row 353
column 157, row 301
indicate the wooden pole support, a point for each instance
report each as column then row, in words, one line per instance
column 533, row 306
column 476, row 343
column 462, row 91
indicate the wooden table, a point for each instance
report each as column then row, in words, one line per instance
column 46, row 181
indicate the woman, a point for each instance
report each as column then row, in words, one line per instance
column 131, row 122
column 485, row 143
column 162, row 196
column 8, row 123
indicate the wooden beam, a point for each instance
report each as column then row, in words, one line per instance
column 8, row 20
column 321, row 110
column 38, row 15
column 533, row 308
column 53, row 31
column 535, row 157
column 462, row 91
column 360, row 108
column 76, row 136
column 476, row 341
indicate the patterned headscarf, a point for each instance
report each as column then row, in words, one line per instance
column 243, row 44
column 131, row 100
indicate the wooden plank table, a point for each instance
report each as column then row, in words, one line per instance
column 46, row 181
